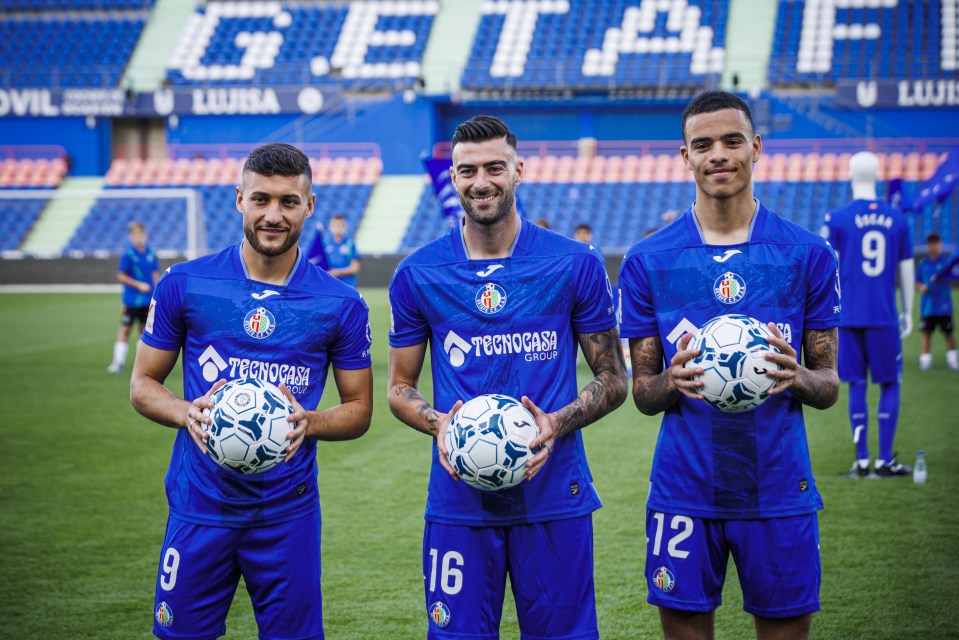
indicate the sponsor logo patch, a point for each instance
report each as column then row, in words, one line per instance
column 259, row 323
column 664, row 580
column 491, row 298
column 439, row 614
column 163, row 615
column 729, row 288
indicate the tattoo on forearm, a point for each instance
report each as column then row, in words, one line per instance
column 651, row 389
column 606, row 391
column 820, row 388
column 428, row 414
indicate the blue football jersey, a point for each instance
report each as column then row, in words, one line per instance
column 139, row 265
column 871, row 238
column 229, row 326
column 505, row 326
column 708, row 463
column 339, row 255
column 937, row 301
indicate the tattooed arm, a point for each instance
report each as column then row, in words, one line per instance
column 817, row 383
column 656, row 389
column 604, row 393
column 408, row 404
column 405, row 400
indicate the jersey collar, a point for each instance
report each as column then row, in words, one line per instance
column 755, row 225
column 241, row 265
column 461, row 242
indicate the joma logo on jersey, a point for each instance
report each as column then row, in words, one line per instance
column 729, row 288
column 534, row 346
column 259, row 323
column 491, row 298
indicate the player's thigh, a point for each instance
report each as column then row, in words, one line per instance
column 884, row 354
column 852, row 355
column 281, row 566
column 464, row 572
column 126, row 316
column 196, row 581
column 686, row 561
column 551, row 573
column 778, row 562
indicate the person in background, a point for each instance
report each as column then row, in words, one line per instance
column 138, row 272
column 342, row 258
column 935, row 306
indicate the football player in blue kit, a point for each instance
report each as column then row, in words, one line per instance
column 737, row 484
column 872, row 240
column 502, row 304
column 256, row 309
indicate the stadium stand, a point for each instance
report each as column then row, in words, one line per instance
column 89, row 51
column 342, row 185
column 625, row 197
column 73, row 5
column 273, row 44
column 818, row 42
column 569, row 45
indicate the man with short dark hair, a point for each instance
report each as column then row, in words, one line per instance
column 724, row 484
column 256, row 309
column 502, row 304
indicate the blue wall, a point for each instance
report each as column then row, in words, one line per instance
column 402, row 130
column 88, row 149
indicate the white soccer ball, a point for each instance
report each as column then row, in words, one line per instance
column 488, row 440
column 731, row 350
column 249, row 427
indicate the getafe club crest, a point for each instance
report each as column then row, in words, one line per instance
column 259, row 323
column 163, row 614
column 664, row 580
column 491, row 298
column 729, row 288
column 439, row 614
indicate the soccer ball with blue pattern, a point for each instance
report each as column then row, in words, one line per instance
column 488, row 440
column 249, row 427
column 731, row 350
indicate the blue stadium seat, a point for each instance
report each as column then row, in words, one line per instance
column 577, row 49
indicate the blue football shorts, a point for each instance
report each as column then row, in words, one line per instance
column 550, row 567
column 777, row 561
column 200, row 567
column 878, row 348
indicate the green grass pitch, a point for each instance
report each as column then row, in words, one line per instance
column 83, row 507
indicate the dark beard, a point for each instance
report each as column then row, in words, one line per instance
column 501, row 213
column 250, row 233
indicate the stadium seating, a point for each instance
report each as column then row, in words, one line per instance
column 342, row 185
column 32, row 173
column 625, row 197
column 597, row 45
column 66, row 51
column 17, row 217
column 358, row 45
column 828, row 41
column 73, row 5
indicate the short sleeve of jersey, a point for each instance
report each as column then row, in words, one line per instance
column 639, row 320
column 822, row 296
column 594, row 310
column 165, row 328
column 125, row 265
column 408, row 327
column 352, row 348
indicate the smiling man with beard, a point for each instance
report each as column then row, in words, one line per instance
column 502, row 304
column 256, row 308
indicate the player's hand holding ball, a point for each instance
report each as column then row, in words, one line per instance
column 489, row 441
column 732, row 355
